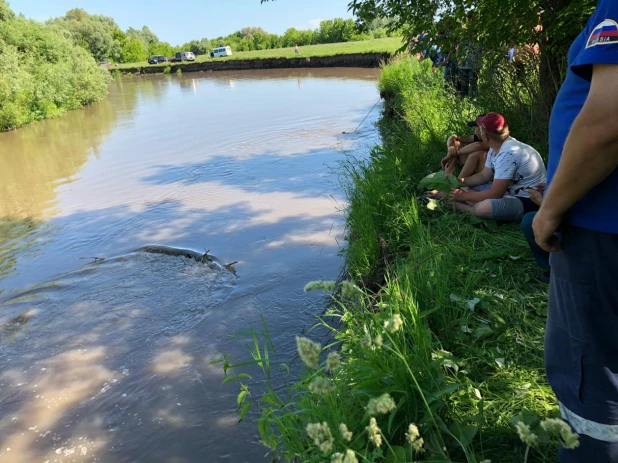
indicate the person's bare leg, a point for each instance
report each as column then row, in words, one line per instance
column 482, row 209
column 471, row 164
column 481, row 162
column 463, row 207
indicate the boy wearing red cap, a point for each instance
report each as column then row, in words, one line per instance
column 498, row 192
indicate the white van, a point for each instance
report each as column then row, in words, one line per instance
column 221, row 51
column 184, row 56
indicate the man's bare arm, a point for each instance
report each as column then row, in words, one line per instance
column 484, row 176
column 497, row 191
column 590, row 154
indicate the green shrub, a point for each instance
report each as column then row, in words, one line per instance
column 43, row 73
column 179, row 72
column 168, row 69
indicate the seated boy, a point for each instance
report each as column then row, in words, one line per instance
column 498, row 192
column 471, row 157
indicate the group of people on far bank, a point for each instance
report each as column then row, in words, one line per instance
column 575, row 222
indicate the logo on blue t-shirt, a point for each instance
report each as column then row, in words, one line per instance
column 604, row 33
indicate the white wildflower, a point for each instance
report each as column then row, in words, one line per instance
column 380, row 406
column 321, row 385
column 350, row 457
column 412, row 433
column 374, row 433
column 349, row 290
column 378, row 341
column 525, row 433
column 327, row 446
column 333, row 361
column 322, row 438
column 345, row 433
column 309, row 351
column 365, row 341
column 414, row 438
column 326, row 286
column 561, row 429
column 394, row 323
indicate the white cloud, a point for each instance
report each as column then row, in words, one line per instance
column 310, row 25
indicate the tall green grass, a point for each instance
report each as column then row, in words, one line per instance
column 467, row 360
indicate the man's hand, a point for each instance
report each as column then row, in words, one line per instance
column 535, row 196
column 545, row 226
column 536, row 193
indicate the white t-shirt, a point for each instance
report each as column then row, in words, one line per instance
column 519, row 163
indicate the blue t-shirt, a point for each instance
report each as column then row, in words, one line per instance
column 597, row 44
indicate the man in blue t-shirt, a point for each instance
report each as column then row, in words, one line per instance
column 578, row 224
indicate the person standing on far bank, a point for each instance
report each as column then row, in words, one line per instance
column 578, row 224
column 296, row 49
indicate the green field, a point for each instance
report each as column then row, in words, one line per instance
column 388, row 45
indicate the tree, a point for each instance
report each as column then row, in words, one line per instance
column 492, row 25
column 134, row 51
column 94, row 33
column 198, row 47
column 43, row 72
column 76, row 14
column 5, row 11
column 119, row 41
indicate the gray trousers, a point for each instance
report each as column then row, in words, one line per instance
column 581, row 341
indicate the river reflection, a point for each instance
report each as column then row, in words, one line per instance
column 109, row 360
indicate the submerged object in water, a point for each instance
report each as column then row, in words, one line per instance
column 211, row 261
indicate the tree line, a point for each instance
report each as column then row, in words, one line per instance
column 43, row 71
column 104, row 39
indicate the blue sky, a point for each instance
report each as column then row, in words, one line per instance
column 179, row 21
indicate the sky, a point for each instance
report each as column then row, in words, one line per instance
column 179, row 21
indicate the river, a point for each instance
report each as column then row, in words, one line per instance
column 105, row 352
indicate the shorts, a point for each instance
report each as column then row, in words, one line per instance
column 508, row 208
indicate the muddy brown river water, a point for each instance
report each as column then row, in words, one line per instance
column 109, row 360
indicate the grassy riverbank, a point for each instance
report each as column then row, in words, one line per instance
column 387, row 45
column 450, row 323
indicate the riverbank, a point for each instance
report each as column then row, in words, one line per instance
column 451, row 321
column 357, row 60
column 368, row 53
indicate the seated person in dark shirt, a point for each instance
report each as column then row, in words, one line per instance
column 471, row 157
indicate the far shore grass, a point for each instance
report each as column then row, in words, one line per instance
column 388, row 45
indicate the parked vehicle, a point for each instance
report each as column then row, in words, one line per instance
column 106, row 64
column 221, row 51
column 184, row 56
column 157, row 59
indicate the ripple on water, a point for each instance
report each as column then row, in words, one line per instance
column 103, row 350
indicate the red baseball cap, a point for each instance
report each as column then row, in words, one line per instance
column 493, row 122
